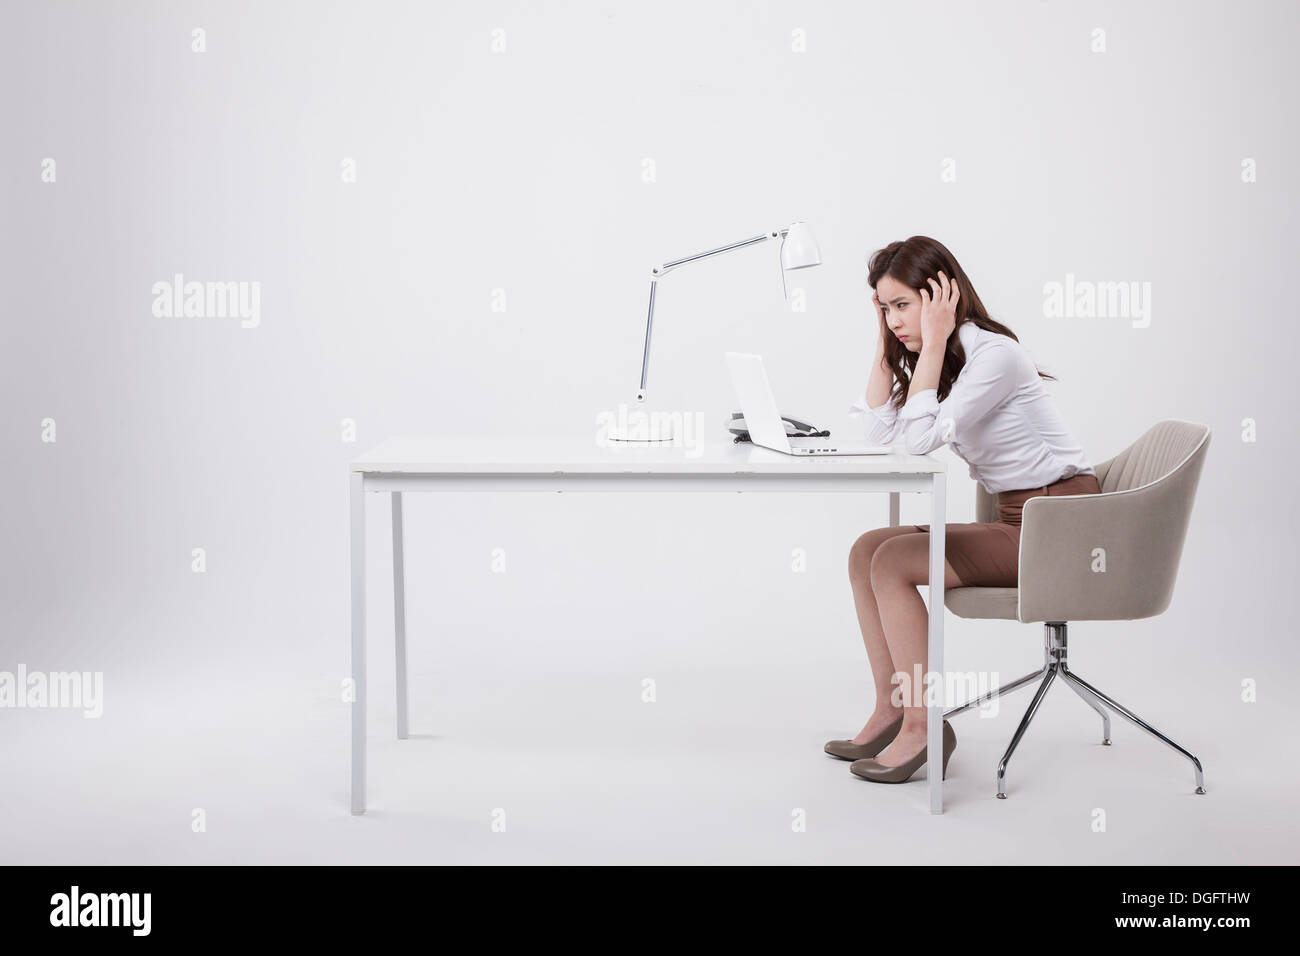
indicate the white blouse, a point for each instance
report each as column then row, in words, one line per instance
column 997, row 417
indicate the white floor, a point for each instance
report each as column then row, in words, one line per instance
column 581, row 770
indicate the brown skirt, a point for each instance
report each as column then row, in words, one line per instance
column 987, row 553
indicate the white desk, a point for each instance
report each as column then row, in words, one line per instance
column 577, row 464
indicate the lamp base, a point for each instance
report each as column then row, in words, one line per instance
column 638, row 425
column 643, row 433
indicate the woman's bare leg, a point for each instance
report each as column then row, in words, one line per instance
column 898, row 566
column 873, row 635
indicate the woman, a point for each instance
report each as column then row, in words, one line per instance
column 943, row 373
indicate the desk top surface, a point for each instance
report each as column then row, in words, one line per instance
column 582, row 454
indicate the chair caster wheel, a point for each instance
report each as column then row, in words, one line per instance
column 1200, row 789
column 1106, row 742
column 1003, row 796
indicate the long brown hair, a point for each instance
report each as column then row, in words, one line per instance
column 910, row 262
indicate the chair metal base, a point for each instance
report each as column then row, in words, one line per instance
column 1054, row 663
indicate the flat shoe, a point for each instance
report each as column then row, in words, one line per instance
column 878, row 773
column 848, row 750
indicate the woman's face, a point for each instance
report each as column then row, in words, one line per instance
column 901, row 307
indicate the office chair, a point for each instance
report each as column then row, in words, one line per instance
column 1106, row 557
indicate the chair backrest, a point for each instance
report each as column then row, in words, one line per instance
column 1159, row 451
column 1164, row 447
column 1144, row 510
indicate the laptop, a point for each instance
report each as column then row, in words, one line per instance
column 764, row 422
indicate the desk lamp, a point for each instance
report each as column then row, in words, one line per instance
column 798, row 251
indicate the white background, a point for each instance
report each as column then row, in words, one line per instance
column 523, row 170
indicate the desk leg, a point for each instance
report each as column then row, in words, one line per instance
column 399, row 616
column 357, row 511
column 893, row 509
column 934, row 715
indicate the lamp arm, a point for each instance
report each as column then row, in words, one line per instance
column 657, row 272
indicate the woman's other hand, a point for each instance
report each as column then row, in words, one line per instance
column 881, row 330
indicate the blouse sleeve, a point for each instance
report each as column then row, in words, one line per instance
column 984, row 383
column 880, row 425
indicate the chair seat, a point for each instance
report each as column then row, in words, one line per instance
column 994, row 603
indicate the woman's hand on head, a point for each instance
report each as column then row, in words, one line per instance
column 938, row 311
column 881, row 329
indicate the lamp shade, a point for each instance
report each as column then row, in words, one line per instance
column 800, row 250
